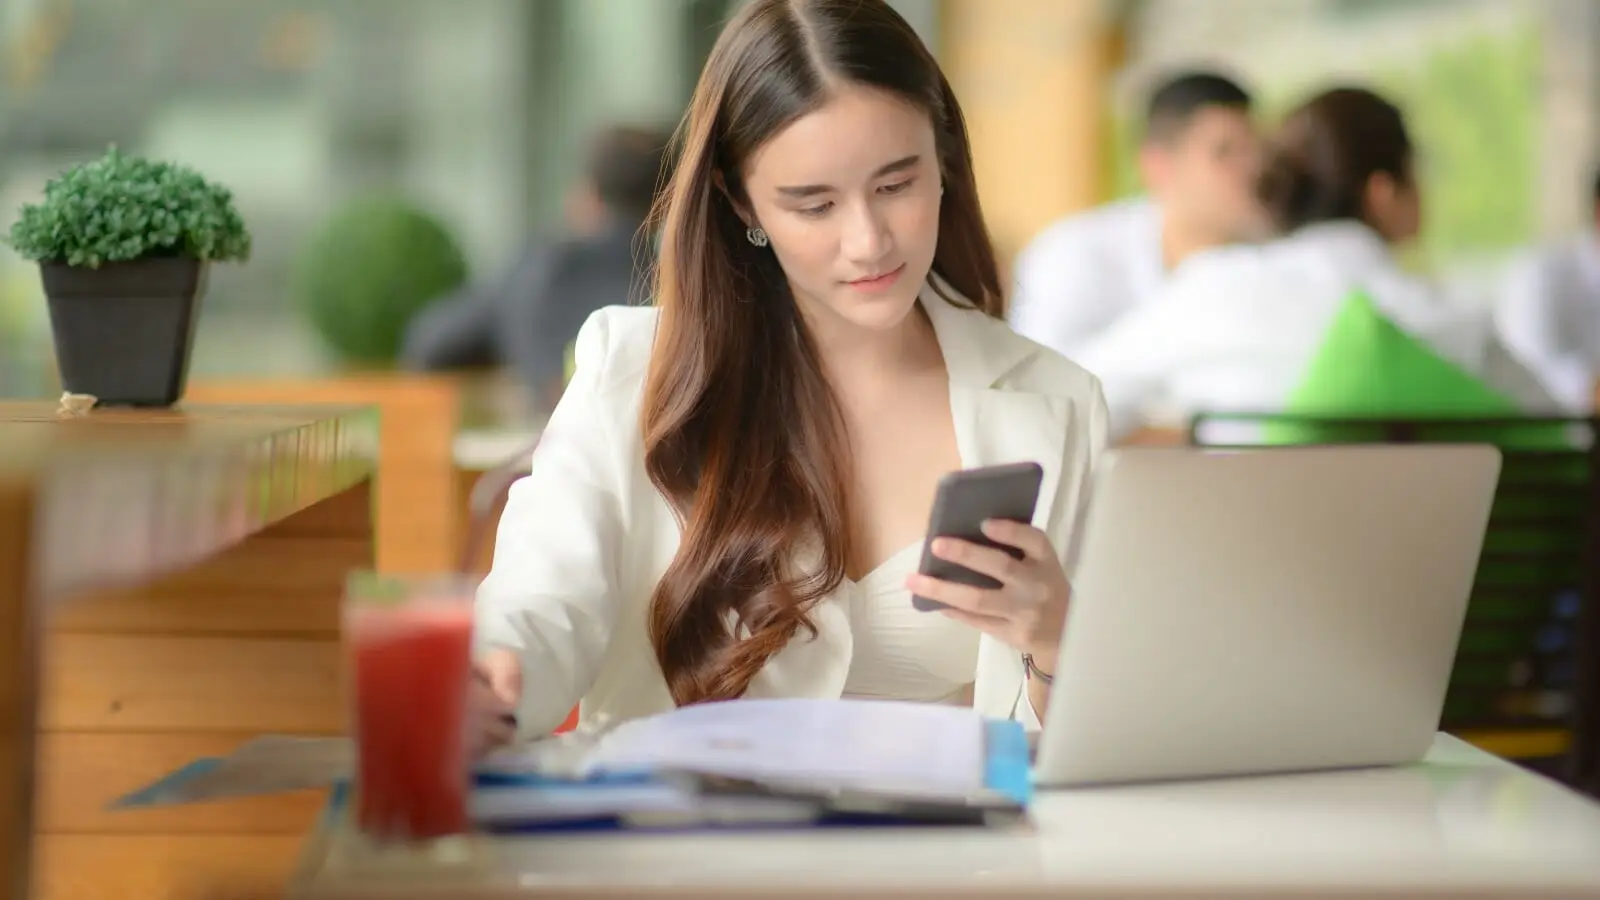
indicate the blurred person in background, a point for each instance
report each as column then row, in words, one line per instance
column 1549, row 311
column 529, row 317
column 1237, row 327
column 1198, row 160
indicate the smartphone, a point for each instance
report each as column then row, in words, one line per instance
column 966, row 499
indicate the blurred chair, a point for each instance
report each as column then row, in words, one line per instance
column 485, row 501
column 1526, row 683
column 500, row 422
column 416, row 498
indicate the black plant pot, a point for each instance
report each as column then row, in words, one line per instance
column 123, row 332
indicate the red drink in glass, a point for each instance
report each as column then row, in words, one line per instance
column 410, row 652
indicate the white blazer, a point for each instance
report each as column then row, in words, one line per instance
column 1081, row 274
column 1549, row 316
column 1235, row 327
column 586, row 536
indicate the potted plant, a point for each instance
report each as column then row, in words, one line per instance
column 122, row 245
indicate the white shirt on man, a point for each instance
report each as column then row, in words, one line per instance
column 1081, row 274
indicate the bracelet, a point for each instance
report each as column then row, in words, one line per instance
column 1032, row 670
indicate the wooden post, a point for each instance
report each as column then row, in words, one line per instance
column 1032, row 77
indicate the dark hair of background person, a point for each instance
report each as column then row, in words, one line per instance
column 742, row 432
column 1326, row 153
column 627, row 165
column 1175, row 103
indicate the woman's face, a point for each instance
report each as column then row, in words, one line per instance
column 1394, row 206
column 849, row 198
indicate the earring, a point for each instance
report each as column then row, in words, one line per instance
column 756, row 235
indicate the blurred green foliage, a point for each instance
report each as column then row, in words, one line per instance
column 369, row 269
column 1473, row 107
column 1474, row 111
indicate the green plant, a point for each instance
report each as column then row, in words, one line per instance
column 1474, row 107
column 119, row 208
column 369, row 270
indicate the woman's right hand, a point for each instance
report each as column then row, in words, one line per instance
column 492, row 702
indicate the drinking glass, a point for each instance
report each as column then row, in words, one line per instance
column 409, row 649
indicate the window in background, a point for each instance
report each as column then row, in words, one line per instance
column 475, row 109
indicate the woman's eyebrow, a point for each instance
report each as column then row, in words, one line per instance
column 811, row 190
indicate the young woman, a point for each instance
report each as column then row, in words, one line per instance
column 1235, row 328
column 731, row 497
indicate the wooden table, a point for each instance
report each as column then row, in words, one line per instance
column 1463, row 824
column 418, row 414
column 169, row 586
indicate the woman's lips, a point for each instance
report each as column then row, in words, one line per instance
column 879, row 282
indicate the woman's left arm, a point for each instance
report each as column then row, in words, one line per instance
column 1028, row 611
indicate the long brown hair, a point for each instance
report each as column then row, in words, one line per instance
column 742, row 434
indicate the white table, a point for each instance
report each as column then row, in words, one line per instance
column 1462, row 824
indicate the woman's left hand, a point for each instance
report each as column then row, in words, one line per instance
column 1028, row 609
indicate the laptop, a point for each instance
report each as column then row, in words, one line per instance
column 1243, row 612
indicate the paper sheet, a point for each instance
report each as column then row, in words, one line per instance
column 882, row 745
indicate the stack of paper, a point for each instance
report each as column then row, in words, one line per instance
column 860, row 744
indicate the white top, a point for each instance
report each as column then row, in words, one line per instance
column 1235, row 327
column 1462, row 820
column 899, row 652
column 1082, row 273
column 1549, row 316
column 585, row 535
